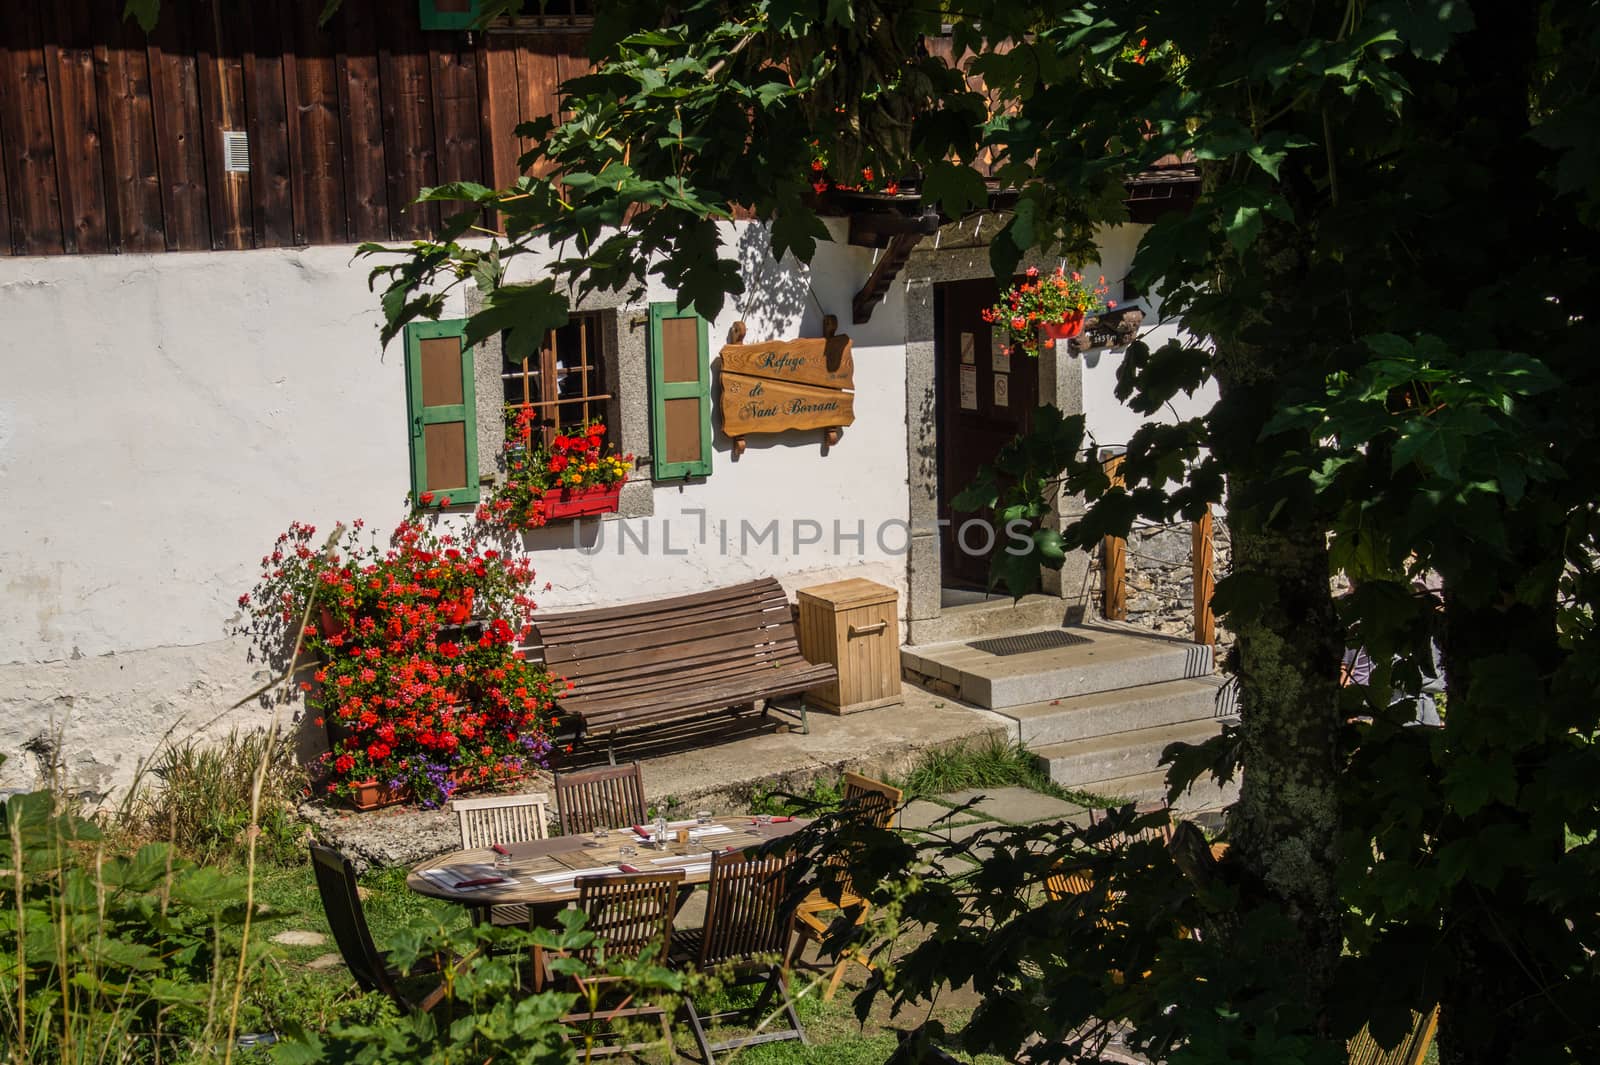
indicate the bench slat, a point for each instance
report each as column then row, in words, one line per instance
column 729, row 645
column 755, row 626
column 623, row 686
column 708, row 699
column 557, row 626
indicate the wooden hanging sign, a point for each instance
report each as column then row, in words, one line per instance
column 823, row 361
column 780, row 385
column 762, row 405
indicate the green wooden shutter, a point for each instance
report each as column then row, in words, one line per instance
column 680, row 393
column 441, row 401
column 450, row 14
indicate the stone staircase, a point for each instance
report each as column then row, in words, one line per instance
column 1095, row 703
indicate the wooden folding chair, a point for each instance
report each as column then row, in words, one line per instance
column 630, row 915
column 749, row 933
column 608, row 797
column 336, row 883
column 1364, row 1050
column 501, row 819
column 872, row 803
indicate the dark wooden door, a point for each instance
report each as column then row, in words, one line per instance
column 985, row 398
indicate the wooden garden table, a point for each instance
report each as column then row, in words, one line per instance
column 542, row 872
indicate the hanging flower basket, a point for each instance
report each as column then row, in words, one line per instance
column 1040, row 310
column 1066, row 329
column 580, row 502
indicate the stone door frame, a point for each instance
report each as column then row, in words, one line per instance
column 958, row 253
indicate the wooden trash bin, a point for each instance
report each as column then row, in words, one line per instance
column 855, row 625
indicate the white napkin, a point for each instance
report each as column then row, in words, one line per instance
column 451, row 877
column 573, row 874
column 681, row 858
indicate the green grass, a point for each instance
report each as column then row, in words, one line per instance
column 992, row 761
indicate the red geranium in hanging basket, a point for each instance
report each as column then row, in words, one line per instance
column 1041, row 310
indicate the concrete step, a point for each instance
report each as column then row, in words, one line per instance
column 1109, row 660
column 1000, row 614
column 1122, row 710
column 1204, row 796
column 1081, row 763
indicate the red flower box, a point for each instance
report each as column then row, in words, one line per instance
column 579, row 502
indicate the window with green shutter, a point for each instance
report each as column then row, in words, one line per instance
column 680, row 393
column 442, row 403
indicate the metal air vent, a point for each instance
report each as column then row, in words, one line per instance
column 235, row 151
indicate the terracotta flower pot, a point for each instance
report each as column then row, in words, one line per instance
column 1067, row 328
column 579, row 502
column 374, row 795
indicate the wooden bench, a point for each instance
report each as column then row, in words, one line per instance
column 650, row 662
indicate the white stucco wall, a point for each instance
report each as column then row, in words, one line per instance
column 1108, row 421
column 168, row 415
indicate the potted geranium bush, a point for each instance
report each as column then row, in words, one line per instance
column 576, row 475
column 1042, row 310
column 419, row 680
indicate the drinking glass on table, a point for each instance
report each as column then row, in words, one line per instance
column 627, row 851
column 703, row 816
column 763, row 819
column 502, row 859
column 601, row 834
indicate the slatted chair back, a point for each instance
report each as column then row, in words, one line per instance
column 872, row 801
column 336, row 883
column 607, row 797
column 1067, row 882
column 628, row 912
column 501, row 819
column 1364, row 1050
column 749, row 908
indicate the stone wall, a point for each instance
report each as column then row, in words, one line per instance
column 1160, row 577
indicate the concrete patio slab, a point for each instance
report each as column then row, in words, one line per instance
column 922, row 814
column 1018, row 806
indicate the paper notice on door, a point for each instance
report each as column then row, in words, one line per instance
column 969, row 348
column 1002, row 390
column 969, row 388
column 1001, row 360
column 1000, row 340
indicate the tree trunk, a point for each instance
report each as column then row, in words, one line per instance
column 1287, row 816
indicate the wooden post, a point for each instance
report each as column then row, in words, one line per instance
column 1205, row 579
column 1114, row 603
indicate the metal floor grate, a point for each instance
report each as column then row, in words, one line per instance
column 1028, row 641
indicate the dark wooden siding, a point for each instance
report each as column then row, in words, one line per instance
column 112, row 140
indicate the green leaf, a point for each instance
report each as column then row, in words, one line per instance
column 955, row 188
column 144, row 12
column 523, row 313
column 1241, row 595
column 1050, row 547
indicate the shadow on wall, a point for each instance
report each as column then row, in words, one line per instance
column 777, row 299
